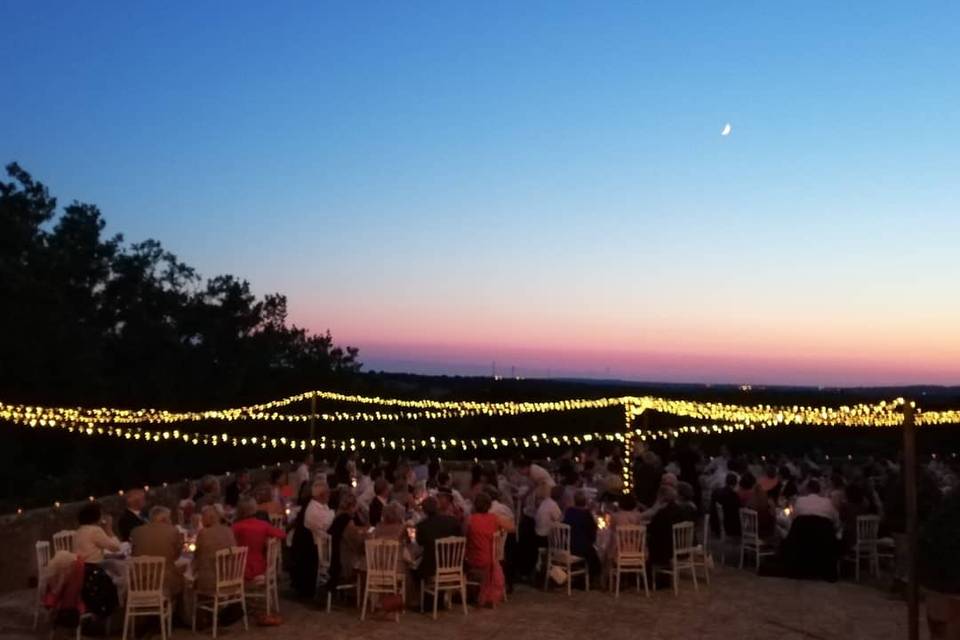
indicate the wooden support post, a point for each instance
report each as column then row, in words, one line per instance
column 910, row 487
column 313, row 417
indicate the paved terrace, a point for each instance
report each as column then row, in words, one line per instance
column 738, row 605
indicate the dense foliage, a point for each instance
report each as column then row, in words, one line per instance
column 91, row 319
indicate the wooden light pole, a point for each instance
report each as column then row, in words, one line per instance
column 313, row 417
column 910, row 501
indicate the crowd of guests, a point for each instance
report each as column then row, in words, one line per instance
column 417, row 502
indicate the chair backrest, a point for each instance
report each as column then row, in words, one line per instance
column 273, row 557
column 559, row 538
column 683, row 543
column 722, row 521
column 43, row 557
column 868, row 529
column 499, row 545
column 145, row 577
column 382, row 558
column 631, row 539
column 450, row 555
column 277, row 520
column 64, row 541
column 324, row 543
column 230, row 565
column 749, row 528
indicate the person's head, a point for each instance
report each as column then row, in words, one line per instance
column 278, row 477
column 523, row 466
column 556, row 492
column 246, row 507
column 242, row 477
column 493, row 492
column 308, row 459
column 429, row 506
column 348, row 504
column 685, row 491
column 210, row 516
column 666, row 494
column 443, row 479
column 747, row 480
column 381, row 487
column 135, row 499
column 90, row 513
column 628, row 502
column 813, row 487
column 320, row 491
column 580, row 499
column 669, row 479
column 392, row 514
column 160, row 514
column 481, row 503
column 732, row 480
column 210, row 486
column 366, row 468
column 770, row 471
column 444, row 501
column 263, row 494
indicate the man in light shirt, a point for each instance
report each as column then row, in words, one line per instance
column 302, row 474
column 535, row 473
column 814, row 504
column 548, row 513
column 319, row 515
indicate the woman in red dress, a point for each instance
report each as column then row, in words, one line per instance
column 481, row 528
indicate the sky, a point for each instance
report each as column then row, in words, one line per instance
column 540, row 185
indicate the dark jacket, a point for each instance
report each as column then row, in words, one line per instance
column 660, row 531
column 428, row 532
column 376, row 511
column 728, row 500
column 127, row 522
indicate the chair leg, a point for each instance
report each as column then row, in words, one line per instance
column 163, row 622
column 693, row 573
column 646, row 586
column 569, row 579
column 586, row 574
column 676, row 579
column 616, row 583
column 463, row 594
column 743, row 551
column 436, row 600
column 422, row 585
column 215, row 612
column 546, row 575
column 363, row 610
column 329, row 600
column 243, row 605
column 193, row 620
column 126, row 623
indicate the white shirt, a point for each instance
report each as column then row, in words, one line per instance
column 302, row 474
column 547, row 513
column 538, row 474
column 318, row 517
column 816, row 505
column 362, row 484
column 91, row 541
column 497, row 508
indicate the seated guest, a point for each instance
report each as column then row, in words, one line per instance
column 391, row 527
column 280, row 485
column 728, row 500
column 769, row 481
column 132, row 516
column 814, row 504
column 209, row 492
column 583, row 531
column 745, row 490
column 766, row 517
column 346, row 539
column 364, row 482
column 685, row 501
column 855, row 504
column 161, row 539
column 660, row 529
column 381, row 496
column 498, row 508
column 267, row 504
column 186, row 507
column 433, row 527
column 548, row 513
column 481, row 528
column 626, row 515
column 252, row 532
column 445, row 482
column 237, row 487
column 212, row 537
column 446, row 504
column 94, row 536
column 318, row 516
column 613, row 482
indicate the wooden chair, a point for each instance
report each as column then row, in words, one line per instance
column 559, row 555
column 64, row 541
column 683, row 551
column 382, row 558
column 145, row 596
column 229, row 589
column 701, row 553
column 631, row 557
column 867, row 545
column 43, row 559
column 750, row 541
column 449, row 577
column 267, row 586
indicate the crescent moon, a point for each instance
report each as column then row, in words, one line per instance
column 726, row 129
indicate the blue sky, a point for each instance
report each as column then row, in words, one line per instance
column 539, row 183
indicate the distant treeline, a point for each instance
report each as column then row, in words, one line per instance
column 94, row 320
